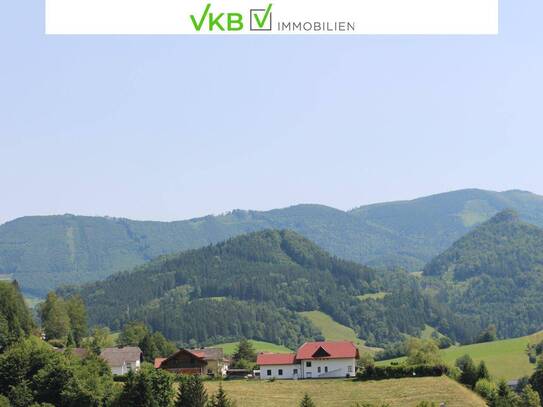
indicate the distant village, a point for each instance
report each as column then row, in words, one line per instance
column 312, row 360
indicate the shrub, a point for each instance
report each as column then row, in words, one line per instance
column 486, row 389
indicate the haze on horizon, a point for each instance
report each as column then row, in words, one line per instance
column 170, row 128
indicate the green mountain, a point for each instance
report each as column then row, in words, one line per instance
column 254, row 286
column 495, row 275
column 46, row 251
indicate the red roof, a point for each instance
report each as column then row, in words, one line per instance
column 327, row 350
column 158, row 362
column 264, row 359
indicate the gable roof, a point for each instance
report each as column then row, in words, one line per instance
column 327, row 350
column 264, row 359
column 180, row 352
column 158, row 362
column 208, row 353
column 119, row 356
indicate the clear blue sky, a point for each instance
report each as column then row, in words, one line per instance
column 177, row 127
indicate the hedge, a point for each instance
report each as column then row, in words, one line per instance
column 397, row 372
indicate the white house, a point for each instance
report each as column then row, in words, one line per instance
column 122, row 360
column 313, row 360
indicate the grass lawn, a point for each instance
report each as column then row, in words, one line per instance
column 334, row 331
column 505, row 359
column 230, row 348
column 345, row 393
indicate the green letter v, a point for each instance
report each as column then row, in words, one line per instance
column 199, row 25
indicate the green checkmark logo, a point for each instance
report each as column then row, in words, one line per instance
column 262, row 22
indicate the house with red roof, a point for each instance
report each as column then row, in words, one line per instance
column 313, row 360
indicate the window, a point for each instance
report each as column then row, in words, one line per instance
column 308, row 364
column 326, row 369
column 268, row 372
column 280, row 372
column 319, row 369
column 295, row 371
column 349, row 369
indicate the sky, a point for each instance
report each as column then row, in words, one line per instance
column 175, row 127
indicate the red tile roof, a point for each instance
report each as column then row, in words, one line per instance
column 327, row 350
column 158, row 362
column 264, row 359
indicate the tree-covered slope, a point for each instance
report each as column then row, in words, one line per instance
column 44, row 252
column 495, row 273
column 255, row 285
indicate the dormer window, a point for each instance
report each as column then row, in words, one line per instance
column 321, row 353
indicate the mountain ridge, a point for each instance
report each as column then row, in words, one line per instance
column 43, row 252
column 495, row 274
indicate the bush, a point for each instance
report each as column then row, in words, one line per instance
column 486, row 389
column 397, row 372
column 4, row 402
column 57, row 343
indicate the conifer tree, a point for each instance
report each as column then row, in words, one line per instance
column 220, row 399
column 482, row 371
column 307, row 401
column 192, row 393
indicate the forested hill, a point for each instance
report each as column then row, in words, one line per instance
column 44, row 252
column 253, row 286
column 495, row 273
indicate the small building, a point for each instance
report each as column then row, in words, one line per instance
column 313, row 360
column 216, row 364
column 122, row 360
column 202, row 361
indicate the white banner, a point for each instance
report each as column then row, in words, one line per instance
column 273, row 17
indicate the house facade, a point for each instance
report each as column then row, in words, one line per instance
column 202, row 361
column 313, row 360
column 216, row 364
column 122, row 360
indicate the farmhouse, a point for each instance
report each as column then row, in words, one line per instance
column 122, row 360
column 313, row 360
column 202, row 361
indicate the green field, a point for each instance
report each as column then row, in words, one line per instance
column 345, row 393
column 334, row 331
column 505, row 359
column 230, row 348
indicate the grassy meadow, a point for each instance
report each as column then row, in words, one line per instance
column 345, row 393
column 505, row 359
column 334, row 331
column 260, row 346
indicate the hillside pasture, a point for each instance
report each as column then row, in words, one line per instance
column 260, row 346
column 505, row 359
column 345, row 393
